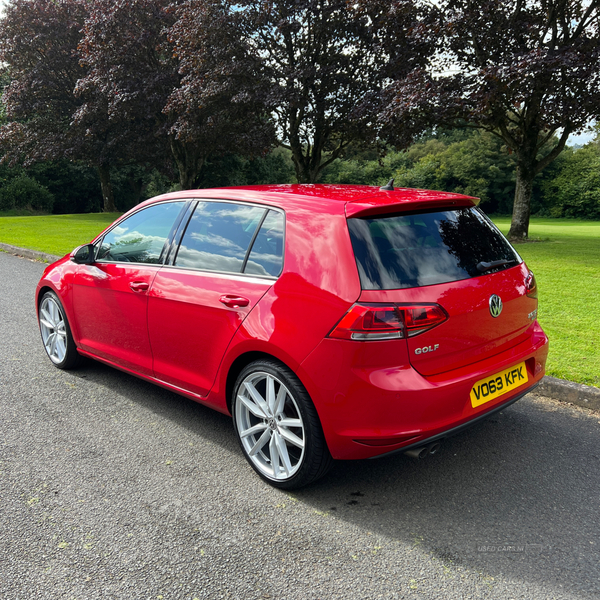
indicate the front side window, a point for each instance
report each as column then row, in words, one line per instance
column 404, row 251
column 141, row 237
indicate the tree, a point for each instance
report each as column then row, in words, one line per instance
column 464, row 161
column 324, row 70
column 175, row 77
column 574, row 191
column 215, row 110
column 38, row 47
column 524, row 71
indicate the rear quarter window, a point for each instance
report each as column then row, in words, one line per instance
column 415, row 250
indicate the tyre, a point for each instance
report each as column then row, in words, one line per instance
column 278, row 427
column 56, row 333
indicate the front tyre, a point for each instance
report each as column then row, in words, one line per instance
column 278, row 427
column 56, row 333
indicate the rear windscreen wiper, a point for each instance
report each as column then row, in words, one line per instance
column 486, row 266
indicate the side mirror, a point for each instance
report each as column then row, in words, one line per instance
column 84, row 255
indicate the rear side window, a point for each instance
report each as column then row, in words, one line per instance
column 233, row 238
column 266, row 257
column 405, row 251
column 218, row 236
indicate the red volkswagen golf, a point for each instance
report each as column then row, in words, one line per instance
column 331, row 322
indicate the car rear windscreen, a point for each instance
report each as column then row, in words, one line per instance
column 414, row 250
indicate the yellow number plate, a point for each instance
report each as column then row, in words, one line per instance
column 492, row 387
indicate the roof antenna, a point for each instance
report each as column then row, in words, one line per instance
column 388, row 187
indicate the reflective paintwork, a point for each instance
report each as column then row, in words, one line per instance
column 174, row 326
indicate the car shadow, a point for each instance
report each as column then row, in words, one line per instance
column 516, row 495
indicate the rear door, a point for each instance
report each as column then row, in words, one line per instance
column 456, row 259
column 230, row 255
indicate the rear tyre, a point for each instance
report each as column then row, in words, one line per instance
column 56, row 333
column 278, row 427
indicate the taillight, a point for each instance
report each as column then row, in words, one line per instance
column 387, row 321
column 421, row 318
column 531, row 285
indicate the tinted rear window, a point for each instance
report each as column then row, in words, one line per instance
column 404, row 251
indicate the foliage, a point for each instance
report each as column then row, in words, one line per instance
column 466, row 162
column 324, row 67
column 232, row 169
column 75, row 186
column 575, row 189
column 38, row 39
column 38, row 46
column 217, row 108
column 522, row 70
column 130, row 73
column 24, row 193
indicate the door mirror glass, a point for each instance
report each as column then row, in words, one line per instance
column 84, row 255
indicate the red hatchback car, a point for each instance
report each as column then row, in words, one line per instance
column 331, row 322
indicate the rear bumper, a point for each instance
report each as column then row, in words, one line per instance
column 459, row 428
column 371, row 407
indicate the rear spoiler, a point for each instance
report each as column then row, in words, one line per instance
column 395, row 202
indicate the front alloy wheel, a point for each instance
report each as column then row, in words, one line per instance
column 56, row 334
column 278, row 427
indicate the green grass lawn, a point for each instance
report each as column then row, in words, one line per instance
column 55, row 234
column 566, row 262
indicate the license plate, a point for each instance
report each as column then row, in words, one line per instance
column 492, row 387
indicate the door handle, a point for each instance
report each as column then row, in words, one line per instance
column 139, row 286
column 234, row 301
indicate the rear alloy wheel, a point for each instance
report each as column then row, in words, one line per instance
column 278, row 427
column 56, row 333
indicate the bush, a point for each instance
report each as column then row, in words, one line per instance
column 574, row 191
column 24, row 193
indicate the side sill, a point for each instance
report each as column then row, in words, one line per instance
column 172, row 388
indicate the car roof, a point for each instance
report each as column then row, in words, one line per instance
column 356, row 200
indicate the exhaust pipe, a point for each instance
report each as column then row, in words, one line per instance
column 424, row 451
column 418, row 453
column 435, row 447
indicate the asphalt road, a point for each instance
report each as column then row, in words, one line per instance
column 113, row 488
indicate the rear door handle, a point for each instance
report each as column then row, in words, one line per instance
column 234, row 301
column 139, row 286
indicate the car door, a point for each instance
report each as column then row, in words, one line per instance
column 229, row 256
column 111, row 296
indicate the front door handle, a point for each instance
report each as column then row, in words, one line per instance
column 234, row 301
column 139, row 286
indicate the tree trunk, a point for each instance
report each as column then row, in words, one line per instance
column 519, row 225
column 106, row 186
column 302, row 175
column 189, row 163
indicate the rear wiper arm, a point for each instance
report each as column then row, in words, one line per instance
column 486, row 266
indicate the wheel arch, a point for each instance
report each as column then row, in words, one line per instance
column 40, row 294
column 242, row 361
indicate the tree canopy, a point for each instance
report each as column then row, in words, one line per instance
column 524, row 71
column 193, row 87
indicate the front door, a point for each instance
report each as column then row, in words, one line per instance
column 111, row 296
